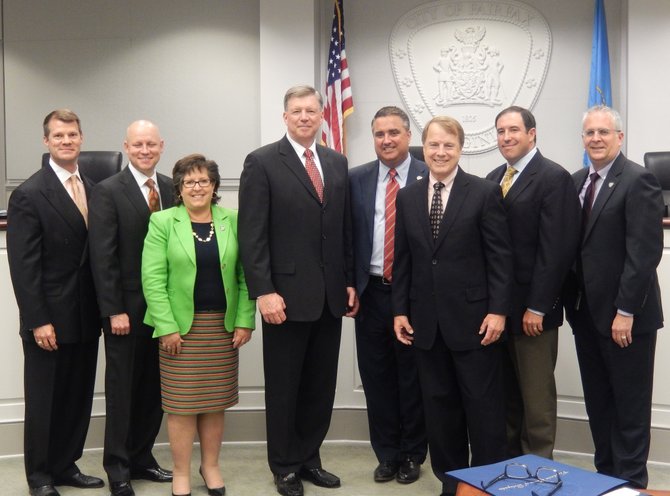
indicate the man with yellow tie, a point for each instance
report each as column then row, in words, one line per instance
column 47, row 247
column 543, row 217
column 120, row 210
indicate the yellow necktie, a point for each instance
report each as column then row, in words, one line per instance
column 507, row 180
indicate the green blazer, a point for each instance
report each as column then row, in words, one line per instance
column 169, row 269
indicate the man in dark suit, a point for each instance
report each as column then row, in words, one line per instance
column 452, row 278
column 47, row 245
column 296, row 250
column 120, row 209
column 543, row 218
column 613, row 299
column 387, row 368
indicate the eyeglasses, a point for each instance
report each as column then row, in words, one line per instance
column 603, row 133
column 203, row 183
column 519, row 471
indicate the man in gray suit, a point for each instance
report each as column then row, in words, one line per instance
column 387, row 367
column 613, row 300
column 120, row 210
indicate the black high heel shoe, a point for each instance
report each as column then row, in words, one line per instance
column 212, row 491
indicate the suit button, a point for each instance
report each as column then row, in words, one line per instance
column 323, row 236
column 223, row 266
column 434, row 262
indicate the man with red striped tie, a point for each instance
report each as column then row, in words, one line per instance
column 387, row 368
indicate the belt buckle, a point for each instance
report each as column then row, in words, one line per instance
column 385, row 282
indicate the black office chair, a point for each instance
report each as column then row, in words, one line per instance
column 96, row 166
column 416, row 152
column 659, row 164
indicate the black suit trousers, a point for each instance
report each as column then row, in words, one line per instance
column 58, row 389
column 390, row 380
column 618, row 384
column 300, row 366
column 133, row 404
column 463, row 397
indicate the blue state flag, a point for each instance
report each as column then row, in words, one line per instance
column 600, row 84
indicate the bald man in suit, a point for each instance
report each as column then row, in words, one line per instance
column 120, row 210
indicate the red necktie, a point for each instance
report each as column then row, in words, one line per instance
column 153, row 200
column 313, row 173
column 392, row 188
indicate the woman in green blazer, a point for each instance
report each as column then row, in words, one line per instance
column 199, row 306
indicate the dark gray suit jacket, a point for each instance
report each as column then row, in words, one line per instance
column 620, row 249
column 543, row 216
column 290, row 243
column 363, row 188
column 452, row 283
column 118, row 223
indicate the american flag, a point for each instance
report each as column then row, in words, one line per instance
column 339, row 102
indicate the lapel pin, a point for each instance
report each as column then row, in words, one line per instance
column 222, row 228
column 611, row 184
column 418, row 178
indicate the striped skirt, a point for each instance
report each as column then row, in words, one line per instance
column 203, row 377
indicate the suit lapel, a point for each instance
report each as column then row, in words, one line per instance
column 222, row 230
column 184, row 232
column 368, row 183
column 421, row 206
column 606, row 190
column 64, row 206
column 134, row 194
column 294, row 164
column 457, row 195
column 165, row 190
column 525, row 179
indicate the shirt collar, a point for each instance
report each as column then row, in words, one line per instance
column 605, row 170
column 402, row 169
column 524, row 161
column 448, row 181
column 140, row 177
column 299, row 149
column 63, row 174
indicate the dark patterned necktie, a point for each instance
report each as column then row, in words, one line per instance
column 589, row 196
column 436, row 209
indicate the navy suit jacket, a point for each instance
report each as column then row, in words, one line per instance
column 543, row 215
column 620, row 249
column 363, row 191
column 453, row 282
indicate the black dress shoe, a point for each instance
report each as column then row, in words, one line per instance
column 288, row 484
column 408, row 472
column 121, row 488
column 320, row 477
column 47, row 490
column 212, row 491
column 153, row 474
column 386, row 471
column 81, row 481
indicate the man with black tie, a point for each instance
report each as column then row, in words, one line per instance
column 47, row 246
column 613, row 298
column 387, row 368
column 120, row 210
column 543, row 218
column 296, row 250
column 452, row 276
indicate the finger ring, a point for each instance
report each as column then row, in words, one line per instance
column 39, row 342
column 624, row 338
